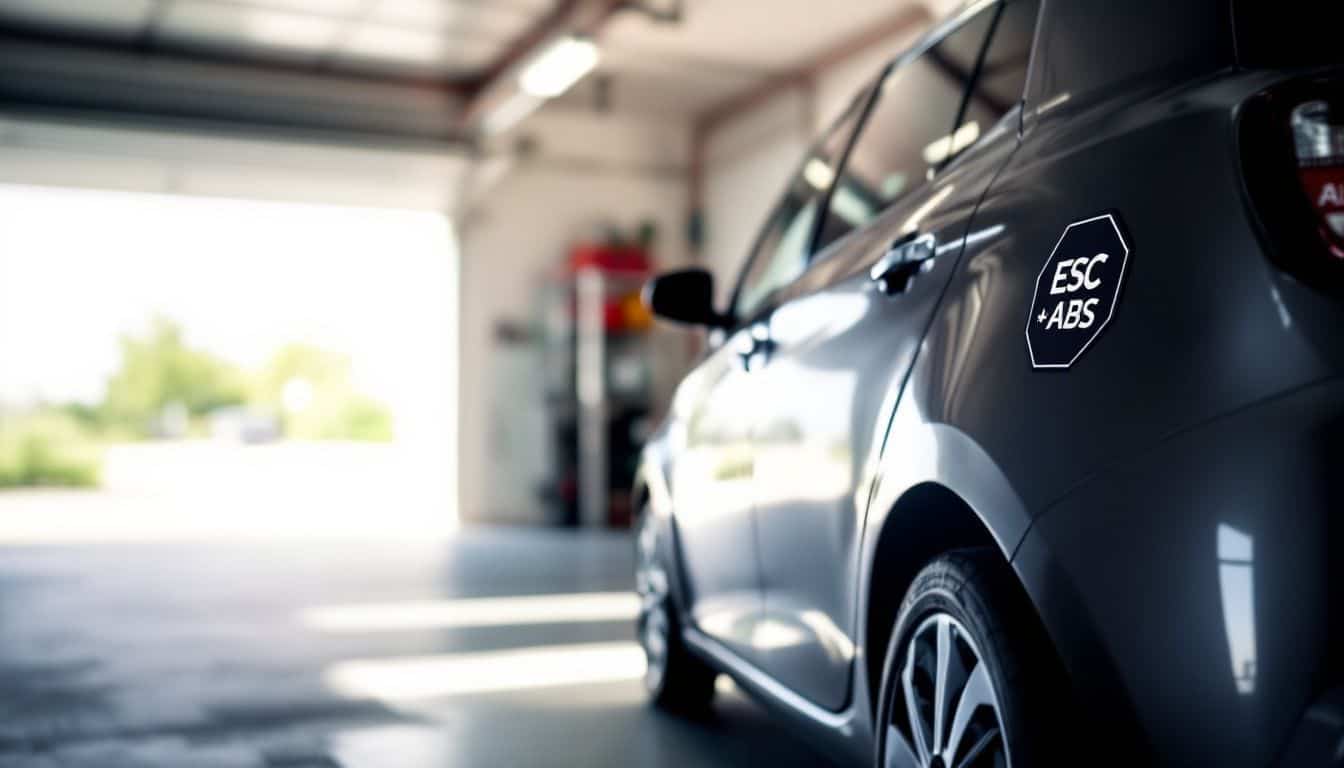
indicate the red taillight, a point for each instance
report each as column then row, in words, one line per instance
column 1318, row 138
column 1291, row 141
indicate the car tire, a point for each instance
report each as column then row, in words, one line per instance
column 964, row 621
column 676, row 680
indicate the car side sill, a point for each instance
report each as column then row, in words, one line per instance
column 762, row 685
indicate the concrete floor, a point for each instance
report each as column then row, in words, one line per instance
column 159, row 653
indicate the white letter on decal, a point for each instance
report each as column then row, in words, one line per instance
column 1091, row 284
column 1088, row 316
column 1075, row 310
column 1056, row 317
column 1061, row 273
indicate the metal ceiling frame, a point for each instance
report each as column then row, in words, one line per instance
column 50, row 77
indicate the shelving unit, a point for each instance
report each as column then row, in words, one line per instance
column 599, row 382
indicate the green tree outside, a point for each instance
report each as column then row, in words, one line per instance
column 310, row 389
column 161, row 370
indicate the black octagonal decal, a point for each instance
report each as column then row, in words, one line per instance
column 1076, row 291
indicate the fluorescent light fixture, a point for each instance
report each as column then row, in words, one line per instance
column 474, row 612
column 392, row 43
column 436, row 13
column 288, row 30
column 319, row 6
column 560, row 66
column 466, row 674
column 511, row 112
column 818, row 173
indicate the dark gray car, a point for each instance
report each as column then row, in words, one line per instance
column 1020, row 442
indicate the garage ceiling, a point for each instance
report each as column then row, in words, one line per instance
column 422, row 70
column 450, row 39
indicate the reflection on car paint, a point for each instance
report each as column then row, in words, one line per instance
column 1236, row 583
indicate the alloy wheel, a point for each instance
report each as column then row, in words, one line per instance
column 946, row 713
column 651, row 586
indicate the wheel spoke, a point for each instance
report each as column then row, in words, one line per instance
column 650, row 578
column 912, row 709
column 946, row 686
column 898, row 754
column 977, row 692
column 940, row 683
column 978, row 748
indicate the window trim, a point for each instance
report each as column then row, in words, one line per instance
column 872, row 90
column 946, row 30
column 868, row 95
column 1014, row 114
column 860, row 103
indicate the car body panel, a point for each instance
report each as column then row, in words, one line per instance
column 841, row 349
column 1189, row 587
column 1168, row 502
column 711, row 482
column 1198, row 329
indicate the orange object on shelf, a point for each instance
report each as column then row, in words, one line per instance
column 635, row 315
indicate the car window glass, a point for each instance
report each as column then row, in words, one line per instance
column 1003, row 72
column 908, row 132
column 783, row 250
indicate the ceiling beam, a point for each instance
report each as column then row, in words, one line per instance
column 150, row 47
column 193, row 95
column 567, row 17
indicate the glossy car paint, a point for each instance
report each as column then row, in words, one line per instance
column 1166, row 502
column 840, row 349
column 713, row 484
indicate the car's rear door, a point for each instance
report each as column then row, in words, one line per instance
column 712, row 477
column 841, row 345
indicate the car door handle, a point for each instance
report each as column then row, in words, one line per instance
column 902, row 261
column 755, row 345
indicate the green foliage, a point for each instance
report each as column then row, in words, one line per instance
column 160, row 370
column 62, row 445
column 312, row 387
column 363, row 419
column 48, row 448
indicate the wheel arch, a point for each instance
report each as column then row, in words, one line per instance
column 935, row 489
column 926, row 521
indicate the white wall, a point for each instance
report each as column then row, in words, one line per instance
column 588, row 171
column 166, row 161
column 592, row 169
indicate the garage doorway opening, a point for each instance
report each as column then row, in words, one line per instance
column 187, row 367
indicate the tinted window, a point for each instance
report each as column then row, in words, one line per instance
column 1087, row 45
column 907, row 133
column 782, row 252
column 1003, row 72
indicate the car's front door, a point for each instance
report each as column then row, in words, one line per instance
column 713, row 475
column 840, row 346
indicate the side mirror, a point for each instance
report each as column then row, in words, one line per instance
column 684, row 296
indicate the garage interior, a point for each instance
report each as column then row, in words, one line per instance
column 401, row 241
